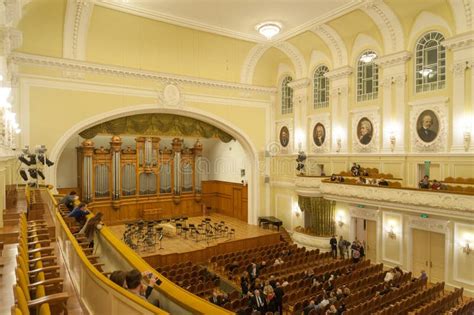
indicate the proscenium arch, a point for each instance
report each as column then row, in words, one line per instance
column 254, row 55
column 212, row 119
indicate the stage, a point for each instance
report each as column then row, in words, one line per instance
column 177, row 249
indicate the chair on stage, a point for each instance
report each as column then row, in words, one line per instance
column 179, row 228
column 185, row 231
column 231, row 234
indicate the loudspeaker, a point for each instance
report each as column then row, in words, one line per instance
column 49, row 163
column 33, row 173
column 40, row 174
column 23, row 175
column 22, row 159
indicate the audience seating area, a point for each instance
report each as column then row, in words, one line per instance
column 38, row 289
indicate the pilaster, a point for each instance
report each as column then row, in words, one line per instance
column 300, row 102
column 339, row 102
column 462, row 47
column 393, row 114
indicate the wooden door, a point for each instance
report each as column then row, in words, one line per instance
column 371, row 240
column 237, row 203
column 421, row 252
column 436, row 257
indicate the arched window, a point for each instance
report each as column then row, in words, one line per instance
column 286, row 96
column 321, row 87
column 367, row 77
column 430, row 63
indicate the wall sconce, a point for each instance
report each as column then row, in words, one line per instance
column 340, row 221
column 466, row 249
column 338, row 144
column 393, row 140
column 467, row 139
column 391, row 233
column 296, row 209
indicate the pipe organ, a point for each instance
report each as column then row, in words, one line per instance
column 121, row 175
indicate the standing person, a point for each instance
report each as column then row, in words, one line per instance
column 342, row 247
column 333, row 242
column 279, row 293
column 258, row 302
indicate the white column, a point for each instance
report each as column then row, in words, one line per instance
column 339, row 102
column 462, row 47
column 300, row 103
column 394, row 81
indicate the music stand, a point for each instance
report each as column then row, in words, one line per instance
column 159, row 240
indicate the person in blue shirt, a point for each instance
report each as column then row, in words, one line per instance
column 79, row 213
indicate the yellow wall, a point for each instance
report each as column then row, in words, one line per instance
column 42, row 27
column 122, row 39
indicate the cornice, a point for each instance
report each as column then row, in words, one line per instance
column 460, row 41
column 299, row 84
column 117, row 71
column 440, row 100
column 339, row 73
column 444, row 203
column 395, row 59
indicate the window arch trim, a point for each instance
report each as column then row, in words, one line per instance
column 286, row 95
column 320, row 87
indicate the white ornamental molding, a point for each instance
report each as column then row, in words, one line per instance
column 11, row 38
column 299, row 84
column 308, row 181
column 250, row 62
column 295, row 56
column 437, row 109
column 461, row 41
column 280, row 125
column 11, row 12
column 339, row 73
column 171, row 96
column 459, row 67
column 323, row 122
column 117, row 71
column 439, row 202
column 313, row 241
column 334, row 42
column 387, row 22
column 364, row 213
column 395, row 59
column 360, row 118
column 433, row 225
column 76, row 26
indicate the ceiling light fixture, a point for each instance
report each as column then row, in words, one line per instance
column 425, row 72
column 268, row 29
column 368, row 57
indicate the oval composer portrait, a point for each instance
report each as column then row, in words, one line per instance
column 364, row 131
column 427, row 125
column 284, row 136
column 319, row 134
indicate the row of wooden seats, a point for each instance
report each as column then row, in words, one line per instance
column 466, row 308
column 245, row 259
column 303, row 295
column 380, row 302
column 174, row 266
column 460, row 180
column 39, row 288
column 440, row 305
column 233, row 255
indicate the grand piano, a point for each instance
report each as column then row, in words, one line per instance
column 270, row 220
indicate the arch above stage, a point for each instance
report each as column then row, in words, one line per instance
column 219, row 122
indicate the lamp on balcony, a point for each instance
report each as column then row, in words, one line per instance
column 466, row 249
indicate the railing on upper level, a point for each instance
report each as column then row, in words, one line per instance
column 102, row 296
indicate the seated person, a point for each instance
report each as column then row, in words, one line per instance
column 118, row 277
column 79, row 213
column 424, row 183
column 361, row 180
column 134, row 283
column 383, row 182
column 68, row 200
column 436, row 185
column 340, row 179
column 216, row 298
column 333, row 177
column 278, row 262
column 355, row 169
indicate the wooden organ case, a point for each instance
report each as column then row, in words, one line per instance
column 126, row 184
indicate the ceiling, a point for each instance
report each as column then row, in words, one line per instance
column 236, row 18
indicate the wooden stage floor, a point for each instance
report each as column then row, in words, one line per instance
column 177, row 249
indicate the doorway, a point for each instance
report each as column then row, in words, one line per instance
column 366, row 232
column 428, row 254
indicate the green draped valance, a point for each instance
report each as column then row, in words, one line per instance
column 157, row 125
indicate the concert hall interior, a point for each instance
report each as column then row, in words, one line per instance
column 237, row 157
